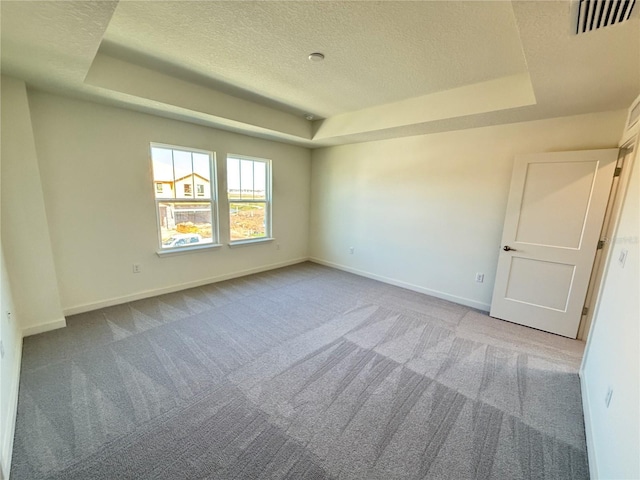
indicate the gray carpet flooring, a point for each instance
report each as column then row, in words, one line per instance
column 299, row 373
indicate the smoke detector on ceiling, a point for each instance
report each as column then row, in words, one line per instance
column 595, row 14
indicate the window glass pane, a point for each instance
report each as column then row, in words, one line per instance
column 246, row 179
column 247, row 183
column 183, row 173
column 247, row 220
column 259, row 180
column 183, row 224
column 162, row 172
column 201, row 175
column 233, row 178
column 161, row 155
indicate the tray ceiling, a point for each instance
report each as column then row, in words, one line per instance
column 390, row 68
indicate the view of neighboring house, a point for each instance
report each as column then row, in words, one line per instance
column 180, row 183
column 177, row 184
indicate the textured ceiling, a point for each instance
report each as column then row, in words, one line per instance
column 52, row 42
column 392, row 68
column 375, row 52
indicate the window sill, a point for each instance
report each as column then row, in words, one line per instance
column 183, row 250
column 244, row 243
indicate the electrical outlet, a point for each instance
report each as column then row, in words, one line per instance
column 351, row 250
column 1, row 349
column 8, row 316
column 137, row 268
column 277, row 246
column 607, row 397
column 480, row 277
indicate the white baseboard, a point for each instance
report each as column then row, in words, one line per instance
column 586, row 410
column 409, row 286
column 10, row 425
column 44, row 327
column 87, row 307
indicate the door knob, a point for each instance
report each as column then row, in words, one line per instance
column 507, row 248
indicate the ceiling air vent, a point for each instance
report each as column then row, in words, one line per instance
column 594, row 14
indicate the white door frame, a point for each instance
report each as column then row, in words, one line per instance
column 619, row 186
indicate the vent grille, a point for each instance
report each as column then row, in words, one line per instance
column 594, row 14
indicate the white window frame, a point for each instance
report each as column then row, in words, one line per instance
column 268, row 201
column 213, row 201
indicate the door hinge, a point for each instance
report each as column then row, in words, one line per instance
column 617, row 171
column 585, row 310
column 601, row 244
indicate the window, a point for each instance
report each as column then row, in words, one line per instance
column 200, row 190
column 249, row 194
column 183, row 221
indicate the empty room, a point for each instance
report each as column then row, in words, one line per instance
column 320, row 240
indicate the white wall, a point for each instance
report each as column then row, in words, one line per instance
column 87, row 151
column 10, row 328
column 11, row 338
column 25, row 236
column 612, row 358
column 426, row 212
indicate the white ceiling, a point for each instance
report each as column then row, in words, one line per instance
column 392, row 68
column 375, row 52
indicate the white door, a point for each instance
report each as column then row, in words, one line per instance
column 551, row 230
